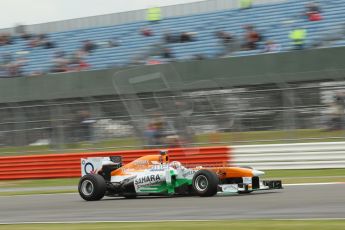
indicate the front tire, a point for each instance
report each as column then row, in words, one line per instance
column 92, row 187
column 205, row 183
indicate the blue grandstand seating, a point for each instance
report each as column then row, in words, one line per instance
column 274, row 21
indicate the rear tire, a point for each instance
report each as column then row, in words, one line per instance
column 92, row 187
column 205, row 183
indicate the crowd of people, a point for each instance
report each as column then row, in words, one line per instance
column 253, row 39
column 11, row 64
column 229, row 42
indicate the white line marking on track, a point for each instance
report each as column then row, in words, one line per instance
column 162, row 221
column 311, row 184
column 314, row 219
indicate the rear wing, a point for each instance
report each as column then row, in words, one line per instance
column 90, row 165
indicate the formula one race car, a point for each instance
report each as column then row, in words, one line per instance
column 154, row 175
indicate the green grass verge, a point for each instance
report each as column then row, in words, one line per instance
column 304, row 173
column 312, row 180
column 228, row 138
column 219, row 225
column 38, row 192
column 307, row 175
column 39, row 183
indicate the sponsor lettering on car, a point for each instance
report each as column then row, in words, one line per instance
column 159, row 167
column 148, row 180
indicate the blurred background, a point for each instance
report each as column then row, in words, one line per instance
column 199, row 73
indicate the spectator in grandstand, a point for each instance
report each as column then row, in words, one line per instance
column 336, row 112
column 298, row 37
column 26, row 36
column 167, row 53
column 45, row 42
column 313, row 12
column 147, row 32
column 187, row 36
column 5, row 39
column 154, row 132
column 15, row 67
column 150, row 134
column 313, row 7
column 246, row 4
column 34, row 41
column 80, row 66
column 224, row 37
column 182, row 37
column 76, row 62
column 271, row 47
column 88, row 46
column 171, row 38
column 60, row 62
column 228, row 43
column 10, row 66
column 76, row 57
column 154, row 14
column 40, row 40
column 85, row 125
column 80, row 126
column 252, row 37
column 83, row 65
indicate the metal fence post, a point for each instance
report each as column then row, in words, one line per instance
column 289, row 114
column 58, row 134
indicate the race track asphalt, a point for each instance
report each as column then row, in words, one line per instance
column 294, row 202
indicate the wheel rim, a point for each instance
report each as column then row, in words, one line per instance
column 87, row 187
column 201, row 183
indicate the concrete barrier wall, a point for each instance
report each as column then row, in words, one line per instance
column 68, row 165
column 290, row 156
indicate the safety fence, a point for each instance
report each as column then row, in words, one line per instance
column 68, row 165
column 245, row 115
column 291, row 156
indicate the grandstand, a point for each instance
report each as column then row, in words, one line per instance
column 274, row 21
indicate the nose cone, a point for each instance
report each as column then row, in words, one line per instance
column 257, row 172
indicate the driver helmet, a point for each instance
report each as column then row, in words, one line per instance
column 163, row 158
column 175, row 164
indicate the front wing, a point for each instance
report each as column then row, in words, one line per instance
column 247, row 188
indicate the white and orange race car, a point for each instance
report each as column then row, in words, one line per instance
column 154, row 175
